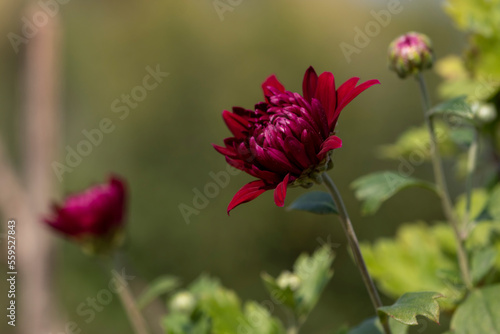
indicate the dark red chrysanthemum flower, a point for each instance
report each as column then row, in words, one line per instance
column 95, row 213
column 286, row 140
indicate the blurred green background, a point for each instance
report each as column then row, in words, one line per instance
column 163, row 148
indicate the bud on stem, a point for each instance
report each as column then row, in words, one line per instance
column 410, row 54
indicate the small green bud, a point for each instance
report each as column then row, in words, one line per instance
column 410, row 54
column 183, row 301
column 288, row 280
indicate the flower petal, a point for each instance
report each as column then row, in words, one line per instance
column 247, row 193
column 347, row 92
column 309, row 141
column 309, row 84
column 345, row 88
column 226, row 151
column 280, row 192
column 325, row 93
column 236, row 124
column 330, row 143
column 272, row 81
column 296, row 152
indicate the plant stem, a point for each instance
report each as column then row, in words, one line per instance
column 127, row 299
column 442, row 187
column 293, row 324
column 471, row 168
column 353, row 242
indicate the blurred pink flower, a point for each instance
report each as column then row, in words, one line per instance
column 95, row 213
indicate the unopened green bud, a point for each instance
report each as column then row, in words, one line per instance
column 410, row 54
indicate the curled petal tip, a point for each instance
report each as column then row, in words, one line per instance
column 309, row 83
column 272, row 81
column 280, row 192
column 247, row 193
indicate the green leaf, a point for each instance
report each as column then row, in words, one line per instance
column 479, row 200
column 494, row 204
column 373, row 326
column 414, row 143
column 160, row 286
column 314, row 272
column 219, row 310
column 485, row 235
column 457, row 106
column 462, row 136
column 419, row 258
column 310, row 276
column 318, row 202
column 480, row 313
column 482, row 262
column 283, row 295
column 374, row 189
column 259, row 320
column 180, row 323
column 224, row 308
column 411, row 304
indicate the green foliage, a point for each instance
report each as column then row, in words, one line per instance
column 216, row 310
column 300, row 291
column 457, row 106
column 158, row 287
column 477, row 75
column 208, row 308
column 482, row 263
column 281, row 292
column 479, row 200
column 480, row 313
column 318, row 202
column 482, row 242
column 420, row 258
column 376, row 188
column 373, row 326
column 494, row 204
column 479, row 16
column 415, row 143
column 409, row 305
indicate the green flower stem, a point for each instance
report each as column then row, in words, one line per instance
column 471, row 168
column 442, row 187
column 129, row 305
column 356, row 251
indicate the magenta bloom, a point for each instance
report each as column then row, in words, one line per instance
column 96, row 212
column 286, row 140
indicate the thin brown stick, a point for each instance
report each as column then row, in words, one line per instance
column 12, row 194
column 40, row 83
